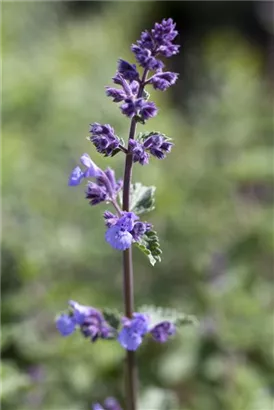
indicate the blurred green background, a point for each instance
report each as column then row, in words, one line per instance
column 214, row 205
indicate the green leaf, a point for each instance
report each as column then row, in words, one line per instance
column 150, row 246
column 159, row 314
column 113, row 317
column 142, row 198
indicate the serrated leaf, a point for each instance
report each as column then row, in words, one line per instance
column 142, row 198
column 113, row 317
column 150, row 246
column 159, row 314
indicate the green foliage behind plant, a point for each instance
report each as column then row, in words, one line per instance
column 214, row 218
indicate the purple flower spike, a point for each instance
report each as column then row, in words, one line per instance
column 65, row 324
column 162, row 331
column 138, row 151
column 128, row 71
column 103, row 138
column 157, row 41
column 163, row 80
column 133, row 331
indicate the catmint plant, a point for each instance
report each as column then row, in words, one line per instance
column 124, row 227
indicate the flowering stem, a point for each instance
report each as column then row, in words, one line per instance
column 131, row 369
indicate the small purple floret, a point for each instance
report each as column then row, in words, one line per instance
column 162, row 331
column 65, row 324
column 124, row 230
column 138, row 152
column 104, row 138
column 76, row 176
column 89, row 320
column 133, row 331
column 157, row 145
column 163, row 80
column 128, row 70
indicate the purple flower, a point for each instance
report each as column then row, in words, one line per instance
column 139, row 229
column 140, row 107
column 129, row 108
column 138, row 152
column 96, row 193
column 80, row 312
column 65, row 324
column 109, row 404
column 103, row 138
column 146, row 59
column 90, row 321
column 147, row 110
column 112, row 404
column 118, row 235
column 133, row 331
column 97, row 406
column 115, row 93
column 91, row 171
column 157, row 41
column 110, row 218
column 162, row 331
column 128, row 71
column 124, row 230
column 158, row 145
column 163, row 34
column 118, row 238
column 163, row 80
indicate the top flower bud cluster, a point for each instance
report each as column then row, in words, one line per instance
column 148, row 50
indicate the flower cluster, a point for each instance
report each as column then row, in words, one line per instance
column 109, row 404
column 124, row 229
column 157, row 42
column 105, row 188
column 152, row 45
column 134, row 330
column 104, row 139
column 133, row 103
column 155, row 144
column 93, row 325
column 90, row 321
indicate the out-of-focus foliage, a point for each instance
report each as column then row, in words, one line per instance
column 213, row 215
